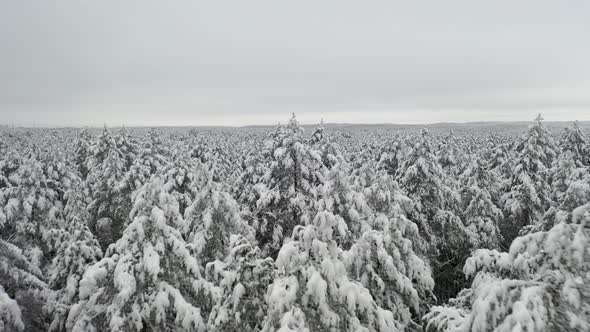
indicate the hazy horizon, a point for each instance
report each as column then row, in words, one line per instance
column 307, row 124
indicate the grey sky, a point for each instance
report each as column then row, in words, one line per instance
column 254, row 62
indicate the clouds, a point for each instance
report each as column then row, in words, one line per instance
column 148, row 62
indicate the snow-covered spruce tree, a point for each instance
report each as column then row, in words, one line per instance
column 10, row 314
column 578, row 191
column 482, row 218
column 391, row 157
column 185, row 177
column 10, row 161
column 76, row 249
column 83, row 152
column 529, row 194
column 313, row 291
column 150, row 160
column 384, row 261
column 127, row 146
column 318, row 134
column 447, row 153
column 253, row 169
column 564, row 171
column 328, row 149
column 571, row 188
column 22, row 291
column 209, row 223
column 60, row 174
column 243, row 277
column 480, row 174
column 574, row 141
column 101, row 149
column 501, row 161
column 541, row 284
column 110, row 200
column 288, row 189
column 339, row 197
column 32, row 209
column 424, row 182
column 148, row 280
column 481, row 214
column 437, row 203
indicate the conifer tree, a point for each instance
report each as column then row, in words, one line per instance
column 21, row 283
column 148, row 280
column 243, row 277
column 541, row 284
column 76, row 248
column 150, row 160
column 110, row 200
column 384, row 261
column 437, row 202
column 575, row 142
column 529, row 195
column 210, row 221
column 288, row 189
column 32, row 209
column 482, row 216
column 83, row 152
column 185, row 177
column 101, row 150
column 127, row 146
column 313, row 292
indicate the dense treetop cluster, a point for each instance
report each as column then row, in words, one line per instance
column 286, row 229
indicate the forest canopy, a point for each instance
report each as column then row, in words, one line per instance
column 289, row 228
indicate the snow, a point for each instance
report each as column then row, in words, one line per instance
column 257, row 229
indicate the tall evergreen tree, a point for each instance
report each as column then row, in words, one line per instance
column 243, row 277
column 289, row 187
column 313, row 292
column 76, row 248
column 529, row 195
column 148, row 280
column 83, row 152
column 541, row 284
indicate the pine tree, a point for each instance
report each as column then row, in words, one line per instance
column 32, row 209
column 529, row 195
column 313, row 292
column 150, row 160
column 210, row 221
column 482, row 216
column 328, row 149
column 338, row 196
column 10, row 162
column 101, row 150
column 10, row 313
column 185, row 177
column 289, row 187
column 76, row 249
column 128, row 147
column 148, row 280
column 243, row 277
column 541, row 284
column 384, row 261
column 575, row 142
column 83, row 152
column 391, row 157
column 60, row 174
column 110, row 200
column 437, row 202
column 22, row 290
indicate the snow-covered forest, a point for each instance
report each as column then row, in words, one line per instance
column 293, row 229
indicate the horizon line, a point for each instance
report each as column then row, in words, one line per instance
column 301, row 124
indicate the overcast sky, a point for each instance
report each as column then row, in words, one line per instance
column 254, row 62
